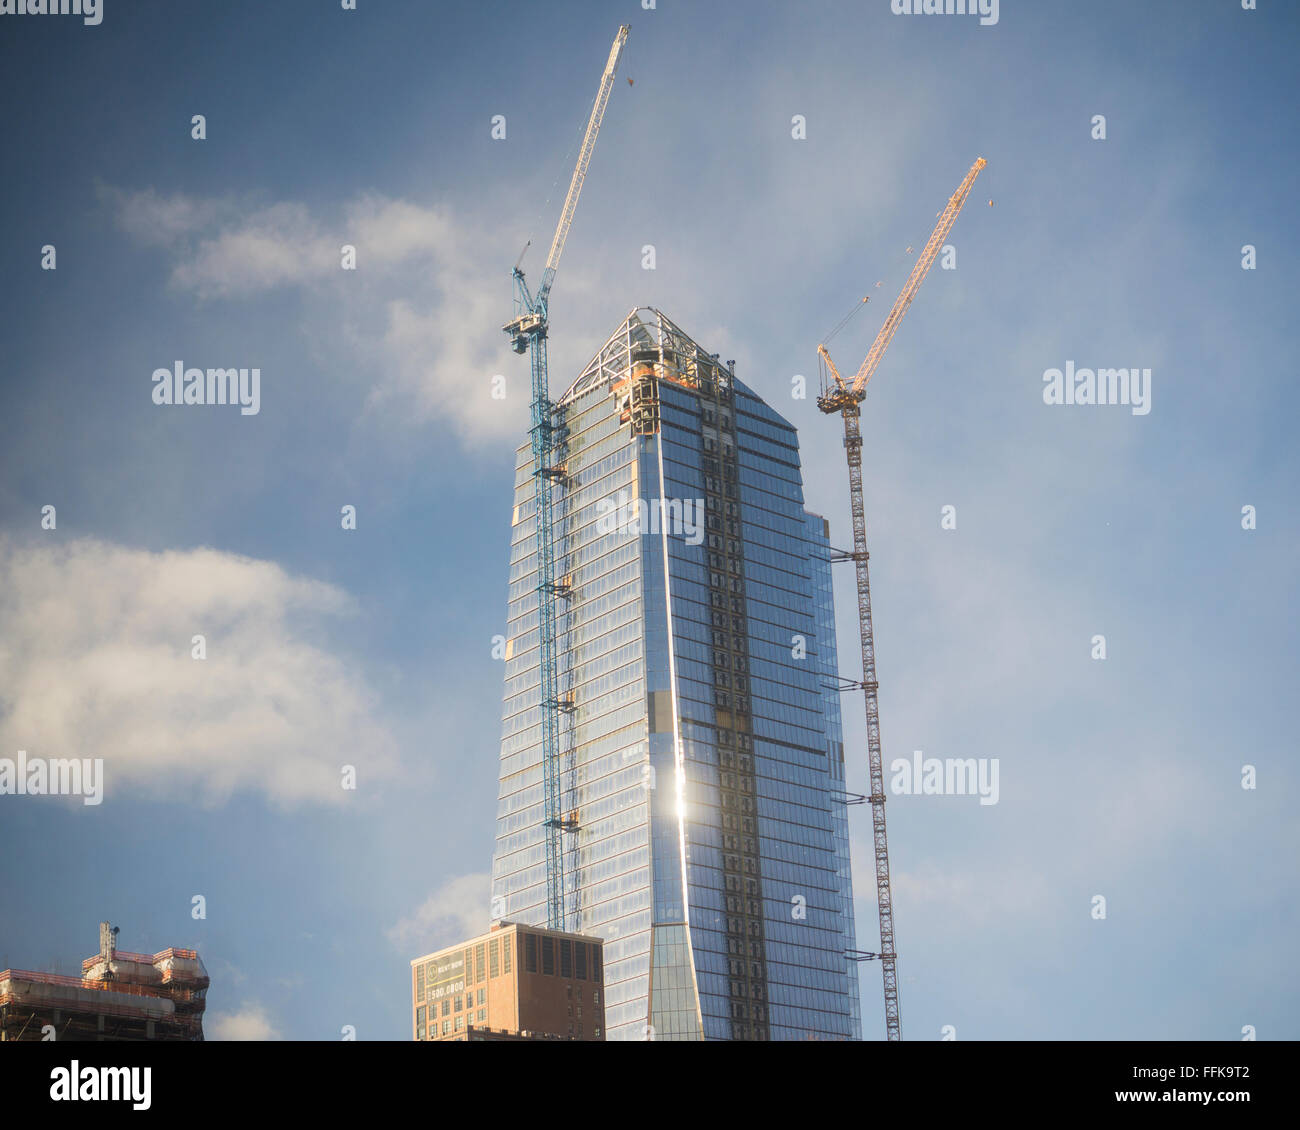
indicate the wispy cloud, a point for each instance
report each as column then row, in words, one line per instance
column 458, row 909
column 250, row 1022
column 420, row 316
column 96, row 661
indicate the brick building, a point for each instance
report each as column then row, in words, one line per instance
column 510, row 983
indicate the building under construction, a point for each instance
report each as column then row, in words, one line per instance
column 699, row 754
column 119, row 996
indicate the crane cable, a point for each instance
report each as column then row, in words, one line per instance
column 568, row 162
column 858, row 306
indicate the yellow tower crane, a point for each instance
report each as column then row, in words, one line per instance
column 846, row 400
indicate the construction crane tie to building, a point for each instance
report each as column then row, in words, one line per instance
column 846, row 399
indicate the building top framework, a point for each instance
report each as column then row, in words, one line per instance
column 646, row 331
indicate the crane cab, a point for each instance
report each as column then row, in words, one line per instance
column 522, row 328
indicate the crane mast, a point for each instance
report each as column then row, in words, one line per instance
column 528, row 333
column 846, row 399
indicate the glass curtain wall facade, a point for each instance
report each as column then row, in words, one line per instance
column 701, row 752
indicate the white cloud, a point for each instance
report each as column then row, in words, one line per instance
column 249, row 1023
column 271, row 247
column 459, row 909
column 393, row 230
column 95, row 661
column 161, row 221
column 421, row 316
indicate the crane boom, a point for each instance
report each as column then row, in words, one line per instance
column 847, row 400
column 584, row 159
column 922, row 267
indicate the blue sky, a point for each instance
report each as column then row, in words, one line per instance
column 372, row 647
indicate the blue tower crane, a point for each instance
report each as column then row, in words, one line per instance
column 527, row 331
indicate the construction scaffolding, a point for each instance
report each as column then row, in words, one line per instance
column 119, row 996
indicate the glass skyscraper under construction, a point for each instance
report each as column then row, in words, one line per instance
column 701, row 757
